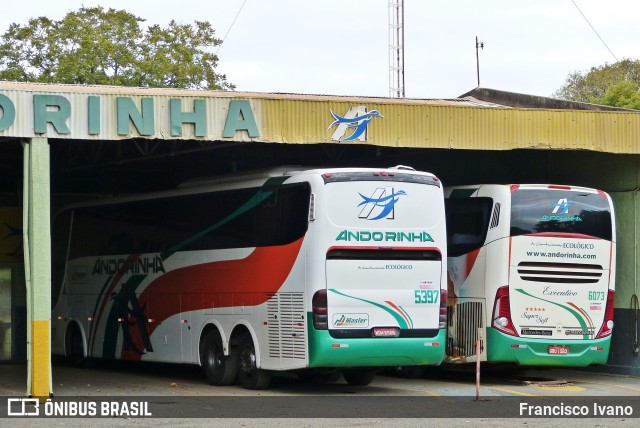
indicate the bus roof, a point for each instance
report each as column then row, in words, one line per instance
column 522, row 186
column 254, row 178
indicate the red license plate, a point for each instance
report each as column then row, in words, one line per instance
column 386, row 332
column 558, row 350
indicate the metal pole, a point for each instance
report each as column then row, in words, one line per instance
column 477, row 369
column 398, row 41
column 402, row 45
column 477, row 62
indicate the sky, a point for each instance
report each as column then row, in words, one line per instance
column 341, row 47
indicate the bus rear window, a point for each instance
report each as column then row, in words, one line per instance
column 553, row 211
column 467, row 224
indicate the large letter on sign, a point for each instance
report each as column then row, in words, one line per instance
column 58, row 117
column 8, row 112
column 127, row 111
column 240, row 118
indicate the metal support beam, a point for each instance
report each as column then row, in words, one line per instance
column 37, row 261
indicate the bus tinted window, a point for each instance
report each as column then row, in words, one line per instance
column 467, row 224
column 231, row 219
column 59, row 244
column 539, row 211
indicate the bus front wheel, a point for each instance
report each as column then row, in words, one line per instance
column 359, row 377
column 219, row 369
column 249, row 375
column 74, row 346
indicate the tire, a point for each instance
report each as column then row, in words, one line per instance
column 74, row 346
column 219, row 369
column 359, row 377
column 249, row 375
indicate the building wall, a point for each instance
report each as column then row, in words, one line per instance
column 619, row 176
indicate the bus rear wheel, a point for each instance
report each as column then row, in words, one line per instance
column 249, row 375
column 219, row 369
column 359, row 377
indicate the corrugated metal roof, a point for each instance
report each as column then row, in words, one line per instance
column 307, row 119
column 172, row 92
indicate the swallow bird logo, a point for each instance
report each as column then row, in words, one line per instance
column 381, row 204
column 562, row 207
column 356, row 119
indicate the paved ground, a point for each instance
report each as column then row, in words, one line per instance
column 324, row 405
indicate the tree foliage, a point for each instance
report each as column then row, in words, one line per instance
column 616, row 85
column 94, row 46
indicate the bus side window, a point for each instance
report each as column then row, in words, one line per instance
column 467, row 224
column 282, row 219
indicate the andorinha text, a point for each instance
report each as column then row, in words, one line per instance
column 52, row 113
column 142, row 265
column 363, row 236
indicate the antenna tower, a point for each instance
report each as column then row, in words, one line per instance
column 396, row 48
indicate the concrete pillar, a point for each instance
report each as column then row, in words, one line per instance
column 37, row 260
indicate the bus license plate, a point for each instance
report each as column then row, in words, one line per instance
column 386, row 332
column 558, row 350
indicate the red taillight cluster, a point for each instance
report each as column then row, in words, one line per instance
column 607, row 325
column 502, row 312
column 442, row 324
column 320, row 311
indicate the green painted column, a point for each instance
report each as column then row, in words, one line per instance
column 37, row 260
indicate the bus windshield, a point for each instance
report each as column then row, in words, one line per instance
column 556, row 211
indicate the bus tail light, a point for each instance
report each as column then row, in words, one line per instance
column 320, row 310
column 502, row 312
column 607, row 325
column 442, row 324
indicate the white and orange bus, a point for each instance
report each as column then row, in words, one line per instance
column 319, row 271
column 531, row 274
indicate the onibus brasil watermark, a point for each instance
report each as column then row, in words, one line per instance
column 33, row 407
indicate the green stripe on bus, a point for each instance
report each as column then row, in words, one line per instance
column 578, row 317
column 326, row 351
column 399, row 318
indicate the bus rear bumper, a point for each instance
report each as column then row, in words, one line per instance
column 325, row 351
column 535, row 352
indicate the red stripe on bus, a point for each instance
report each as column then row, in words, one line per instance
column 245, row 282
column 107, row 296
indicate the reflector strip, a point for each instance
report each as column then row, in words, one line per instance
column 339, row 345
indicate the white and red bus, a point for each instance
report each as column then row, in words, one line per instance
column 318, row 271
column 531, row 273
